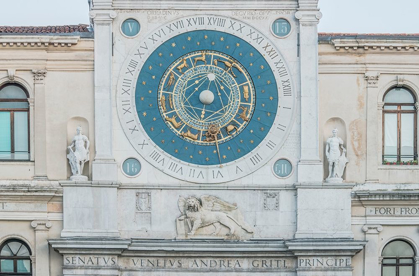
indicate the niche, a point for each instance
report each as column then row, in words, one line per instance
column 331, row 124
column 72, row 125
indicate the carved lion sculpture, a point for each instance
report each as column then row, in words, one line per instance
column 210, row 210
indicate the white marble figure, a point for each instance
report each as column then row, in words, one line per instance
column 79, row 156
column 337, row 159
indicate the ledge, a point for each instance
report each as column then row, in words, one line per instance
column 310, row 247
column 398, row 167
column 38, row 40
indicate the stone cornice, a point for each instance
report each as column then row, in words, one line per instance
column 386, row 195
column 100, row 246
column 332, row 247
column 24, row 193
column 204, row 5
column 38, row 41
column 375, row 44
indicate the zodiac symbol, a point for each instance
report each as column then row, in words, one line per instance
column 228, row 66
column 202, row 58
column 243, row 115
column 190, row 135
column 173, row 121
column 183, row 65
column 231, row 128
column 163, row 103
column 171, row 80
column 246, row 93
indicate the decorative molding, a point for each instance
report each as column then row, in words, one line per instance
column 41, row 225
column 380, row 105
column 386, row 195
column 308, row 18
column 400, row 81
column 39, row 75
column 375, row 44
column 372, row 229
column 102, row 15
column 201, row 5
column 38, row 40
column 11, row 74
column 372, row 78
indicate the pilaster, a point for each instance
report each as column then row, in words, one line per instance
column 310, row 168
column 40, row 128
column 373, row 157
column 41, row 228
column 104, row 166
column 372, row 264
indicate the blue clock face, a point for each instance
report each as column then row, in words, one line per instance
column 206, row 97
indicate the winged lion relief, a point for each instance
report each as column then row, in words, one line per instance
column 209, row 216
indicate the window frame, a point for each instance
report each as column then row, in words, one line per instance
column 16, row 258
column 12, row 127
column 399, row 113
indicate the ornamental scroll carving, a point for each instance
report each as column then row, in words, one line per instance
column 211, row 216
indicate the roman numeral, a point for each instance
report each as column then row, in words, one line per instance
column 281, row 127
column 271, row 145
column 132, row 65
column 280, row 67
column 217, row 174
column 256, row 159
column 157, row 157
column 286, row 88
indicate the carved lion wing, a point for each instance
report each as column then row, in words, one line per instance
column 181, row 203
column 213, row 203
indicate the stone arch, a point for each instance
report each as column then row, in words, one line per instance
column 394, row 83
column 332, row 123
column 72, row 124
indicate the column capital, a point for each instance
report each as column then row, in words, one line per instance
column 308, row 17
column 372, row 228
column 372, row 78
column 41, row 225
column 39, row 75
column 102, row 15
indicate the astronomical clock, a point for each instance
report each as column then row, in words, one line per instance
column 206, row 99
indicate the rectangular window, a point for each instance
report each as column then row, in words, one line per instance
column 390, row 137
column 14, row 135
column 5, row 135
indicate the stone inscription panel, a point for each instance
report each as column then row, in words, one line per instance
column 404, row 211
column 90, row 260
column 209, row 264
column 316, row 262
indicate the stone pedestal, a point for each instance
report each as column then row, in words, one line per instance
column 90, row 209
column 324, row 211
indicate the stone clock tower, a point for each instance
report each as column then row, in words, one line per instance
column 206, row 146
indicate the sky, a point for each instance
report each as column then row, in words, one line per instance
column 348, row 16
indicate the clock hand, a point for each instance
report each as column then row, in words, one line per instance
column 214, row 130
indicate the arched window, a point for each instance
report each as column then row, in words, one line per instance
column 398, row 259
column 14, row 123
column 399, row 127
column 15, row 258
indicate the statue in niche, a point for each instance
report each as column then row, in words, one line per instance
column 336, row 157
column 78, row 156
column 209, row 216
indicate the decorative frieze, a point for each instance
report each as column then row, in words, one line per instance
column 374, row 44
column 38, row 41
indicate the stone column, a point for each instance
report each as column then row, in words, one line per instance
column 372, row 264
column 40, row 127
column 310, row 168
column 31, row 128
column 373, row 156
column 41, row 246
column 104, row 166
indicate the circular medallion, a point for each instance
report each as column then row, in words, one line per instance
column 281, row 27
column 282, row 168
column 130, row 27
column 206, row 102
column 131, row 167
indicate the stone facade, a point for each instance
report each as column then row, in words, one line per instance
column 145, row 211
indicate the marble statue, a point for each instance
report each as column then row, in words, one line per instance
column 336, row 158
column 78, row 156
column 211, row 216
